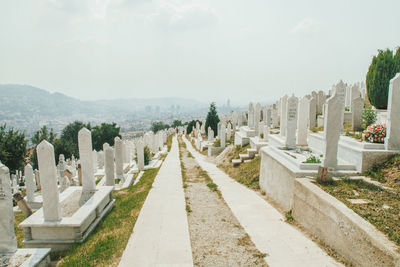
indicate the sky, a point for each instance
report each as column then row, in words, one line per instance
column 209, row 50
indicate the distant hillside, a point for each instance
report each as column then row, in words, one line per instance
column 24, row 101
column 28, row 108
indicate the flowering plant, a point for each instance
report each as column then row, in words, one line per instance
column 375, row 133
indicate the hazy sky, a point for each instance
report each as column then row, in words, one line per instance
column 209, row 50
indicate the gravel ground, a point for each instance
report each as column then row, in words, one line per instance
column 217, row 238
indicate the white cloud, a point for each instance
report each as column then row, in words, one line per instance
column 191, row 15
column 305, row 26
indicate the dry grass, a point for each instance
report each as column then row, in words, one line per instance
column 382, row 211
column 387, row 173
column 105, row 245
column 247, row 173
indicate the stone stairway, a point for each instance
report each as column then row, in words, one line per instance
column 251, row 153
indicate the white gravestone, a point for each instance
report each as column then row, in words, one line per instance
column 302, row 121
column 333, row 115
column 313, row 112
column 109, row 166
column 250, row 120
column 140, row 154
column 340, row 91
column 392, row 141
column 86, row 159
column 222, row 135
column 283, row 115
column 357, row 106
column 291, row 123
column 257, row 118
column 30, row 183
column 48, row 181
column 8, row 242
column 119, row 165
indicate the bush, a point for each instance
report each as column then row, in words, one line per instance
column 368, row 116
column 147, row 155
column 383, row 68
column 375, row 133
column 312, row 159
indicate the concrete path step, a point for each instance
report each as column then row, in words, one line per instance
column 161, row 234
column 284, row 244
column 243, row 157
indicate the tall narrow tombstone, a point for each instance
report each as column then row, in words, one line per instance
column 312, row 112
column 60, row 167
column 250, row 120
column 265, row 133
column 357, row 106
column 283, row 115
column 86, row 159
column 257, row 112
column 229, row 131
column 333, row 114
column 268, row 117
column 321, row 101
column 302, row 121
column 37, row 179
column 222, row 135
column 94, row 156
column 119, row 165
column 8, row 242
column 392, row 141
column 219, row 130
column 109, row 166
column 274, row 115
column 48, row 180
column 340, row 91
column 291, row 124
column 354, row 93
column 30, row 183
column 140, row 154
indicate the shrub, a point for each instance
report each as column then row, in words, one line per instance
column 312, row 159
column 368, row 116
column 147, row 155
column 383, row 68
column 375, row 133
column 212, row 119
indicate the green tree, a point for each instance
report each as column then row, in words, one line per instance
column 176, row 123
column 212, row 119
column 147, row 155
column 190, row 126
column 104, row 133
column 12, row 148
column 158, row 126
column 39, row 136
column 68, row 142
column 383, row 68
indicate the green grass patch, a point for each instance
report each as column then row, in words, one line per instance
column 383, row 211
column 104, row 247
column 312, row 159
column 19, row 232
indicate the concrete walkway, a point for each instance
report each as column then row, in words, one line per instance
column 161, row 236
column 284, row 244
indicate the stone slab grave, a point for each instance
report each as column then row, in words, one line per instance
column 10, row 255
column 69, row 217
column 280, row 165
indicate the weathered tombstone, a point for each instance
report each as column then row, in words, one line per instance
column 37, row 179
column 8, row 242
column 210, row 134
column 222, row 135
column 274, row 115
column 340, row 91
column 357, row 106
column 30, row 184
column 321, row 100
column 229, row 131
column 119, row 165
column 109, row 166
column 64, row 184
column 283, row 114
column 268, row 115
column 257, row 118
column 86, row 159
column 140, row 154
column 333, row 115
column 265, row 133
column 312, row 112
column 392, row 141
column 94, row 156
column 250, row 120
column 291, row 123
column 79, row 174
column 354, row 93
column 48, row 179
column 302, row 121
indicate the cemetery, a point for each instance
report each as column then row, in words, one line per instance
column 310, row 178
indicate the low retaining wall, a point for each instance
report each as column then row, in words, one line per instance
column 339, row 227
